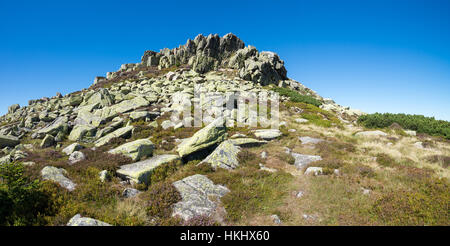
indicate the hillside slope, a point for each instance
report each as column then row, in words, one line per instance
column 112, row 154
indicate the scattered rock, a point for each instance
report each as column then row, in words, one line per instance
column 57, row 175
column 419, row 145
column 8, row 141
column 104, row 176
column 410, row 132
column 48, row 141
column 264, row 155
column 77, row 220
column 247, row 142
column 224, row 156
column 81, row 131
column 211, row 134
column 267, row 134
column 270, row 170
column 196, row 192
column 76, row 156
column 313, row 170
column 136, row 149
column 130, row 192
column 140, row 172
column 303, row 160
column 276, row 219
column 300, row 194
column 119, row 133
column 301, row 120
column 72, row 148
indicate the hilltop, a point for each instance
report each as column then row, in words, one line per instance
column 112, row 154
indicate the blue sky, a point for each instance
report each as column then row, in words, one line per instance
column 377, row 56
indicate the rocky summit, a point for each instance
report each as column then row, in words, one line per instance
column 175, row 140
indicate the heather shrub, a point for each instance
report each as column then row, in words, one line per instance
column 419, row 123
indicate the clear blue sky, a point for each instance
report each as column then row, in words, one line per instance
column 377, row 56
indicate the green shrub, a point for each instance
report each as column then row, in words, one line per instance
column 160, row 198
column 22, row 200
column 296, row 97
column 418, row 123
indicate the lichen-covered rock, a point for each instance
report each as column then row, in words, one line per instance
column 108, row 113
column 8, row 141
column 81, row 131
column 196, row 192
column 72, row 148
column 104, row 176
column 247, row 142
column 77, row 220
column 59, row 125
column 211, row 134
column 267, row 134
column 136, row 149
column 224, row 156
column 48, row 141
column 119, row 133
column 76, row 156
column 140, row 172
column 57, row 175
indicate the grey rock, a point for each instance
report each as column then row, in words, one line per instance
column 104, row 176
column 8, row 141
column 310, row 140
column 130, row 192
column 76, row 156
column 48, row 141
column 314, row 171
column 57, row 175
column 140, row 172
column 196, row 192
column 267, row 134
column 224, row 156
column 72, row 148
column 376, row 133
column 303, row 160
column 77, row 220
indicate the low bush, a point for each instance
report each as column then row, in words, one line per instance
column 419, row 123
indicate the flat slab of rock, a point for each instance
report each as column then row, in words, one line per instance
column 301, row 120
column 267, row 134
column 139, row 172
column 303, row 160
column 195, row 192
column 58, row 125
column 8, row 141
column 211, row 134
column 77, row 220
column 310, row 140
column 376, row 133
column 57, row 175
column 224, row 156
column 136, row 149
column 121, row 132
column 247, row 141
column 72, row 148
column 130, row 192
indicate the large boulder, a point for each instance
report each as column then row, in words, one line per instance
column 8, row 141
column 81, row 131
column 197, row 194
column 211, row 134
column 108, row 113
column 57, row 175
column 140, row 172
column 77, row 220
column 48, row 141
column 13, row 108
column 119, row 133
column 72, row 148
column 224, row 156
column 136, row 149
column 58, row 125
column 76, row 156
